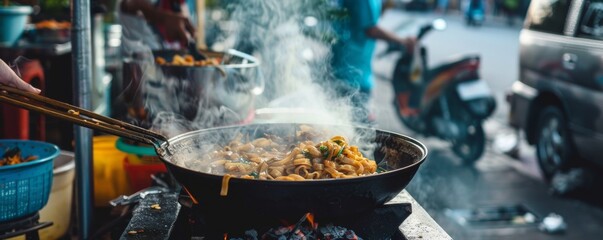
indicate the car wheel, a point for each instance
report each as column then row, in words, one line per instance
column 553, row 144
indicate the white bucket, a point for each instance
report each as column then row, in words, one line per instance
column 58, row 209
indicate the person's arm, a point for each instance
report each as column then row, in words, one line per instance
column 379, row 33
column 177, row 26
column 8, row 77
column 365, row 15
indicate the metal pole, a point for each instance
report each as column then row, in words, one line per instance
column 82, row 83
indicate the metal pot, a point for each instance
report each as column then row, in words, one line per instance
column 214, row 95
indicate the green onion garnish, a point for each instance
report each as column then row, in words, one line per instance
column 340, row 151
column 323, row 148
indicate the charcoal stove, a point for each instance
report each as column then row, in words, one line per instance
column 173, row 216
column 28, row 226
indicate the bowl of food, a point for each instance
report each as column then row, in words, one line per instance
column 216, row 91
column 52, row 31
column 13, row 20
column 26, row 173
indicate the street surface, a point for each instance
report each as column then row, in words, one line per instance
column 443, row 183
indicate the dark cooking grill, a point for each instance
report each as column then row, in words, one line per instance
column 28, row 226
column 178, row 218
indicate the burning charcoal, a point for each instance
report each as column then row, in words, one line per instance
column 248, row 235
column 253, row 234
column 351, row 235
column 284, row 233
column 298, row 235
column 272, row 236
column 308, row 232
column 282, row 230
column 276, row 234
column 330, row 232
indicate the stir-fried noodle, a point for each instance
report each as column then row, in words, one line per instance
column 264, row 158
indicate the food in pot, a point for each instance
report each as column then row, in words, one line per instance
column 272, row 158
column 187, row 60
column 53, row 24
column 13, row 156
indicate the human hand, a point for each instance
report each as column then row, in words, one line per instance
column 178, row 27
column 409, row 43
column 8, row 77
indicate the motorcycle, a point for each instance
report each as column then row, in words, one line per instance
column 475, row 14
column 451, row 101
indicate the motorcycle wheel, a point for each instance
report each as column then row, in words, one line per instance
column 472, row 146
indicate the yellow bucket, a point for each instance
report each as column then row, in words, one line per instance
column 110, row 179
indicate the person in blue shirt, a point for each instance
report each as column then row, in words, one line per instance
column 353, row 52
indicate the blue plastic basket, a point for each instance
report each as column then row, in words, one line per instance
column 25, row 187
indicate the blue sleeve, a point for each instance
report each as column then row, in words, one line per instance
column 363, row 13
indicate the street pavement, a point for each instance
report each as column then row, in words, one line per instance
column 443, row 183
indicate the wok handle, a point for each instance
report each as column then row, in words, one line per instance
column 79, row 116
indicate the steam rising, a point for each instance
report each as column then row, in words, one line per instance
column 175, row 105
column 293, row 66
column 16, row 64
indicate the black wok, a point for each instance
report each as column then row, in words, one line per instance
column 401, row 154
column 250, row 199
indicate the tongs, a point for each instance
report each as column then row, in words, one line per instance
column 80, row 116
column 192, row 49
column 198, row 55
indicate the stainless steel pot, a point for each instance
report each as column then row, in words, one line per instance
column 209, row 95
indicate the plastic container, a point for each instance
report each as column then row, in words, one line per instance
column 140, row 174
column 59, row 207
column 25, row 187
column 140, row 163
column 110, row 178
column 12, row 22
column 138, row 154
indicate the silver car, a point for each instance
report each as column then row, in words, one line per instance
column 558, row 99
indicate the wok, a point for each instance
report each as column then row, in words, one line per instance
column 400, row 155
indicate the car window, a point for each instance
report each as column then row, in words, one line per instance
column 591, row 22
column 547, row 15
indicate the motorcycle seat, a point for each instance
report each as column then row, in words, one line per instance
column 465, row 59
